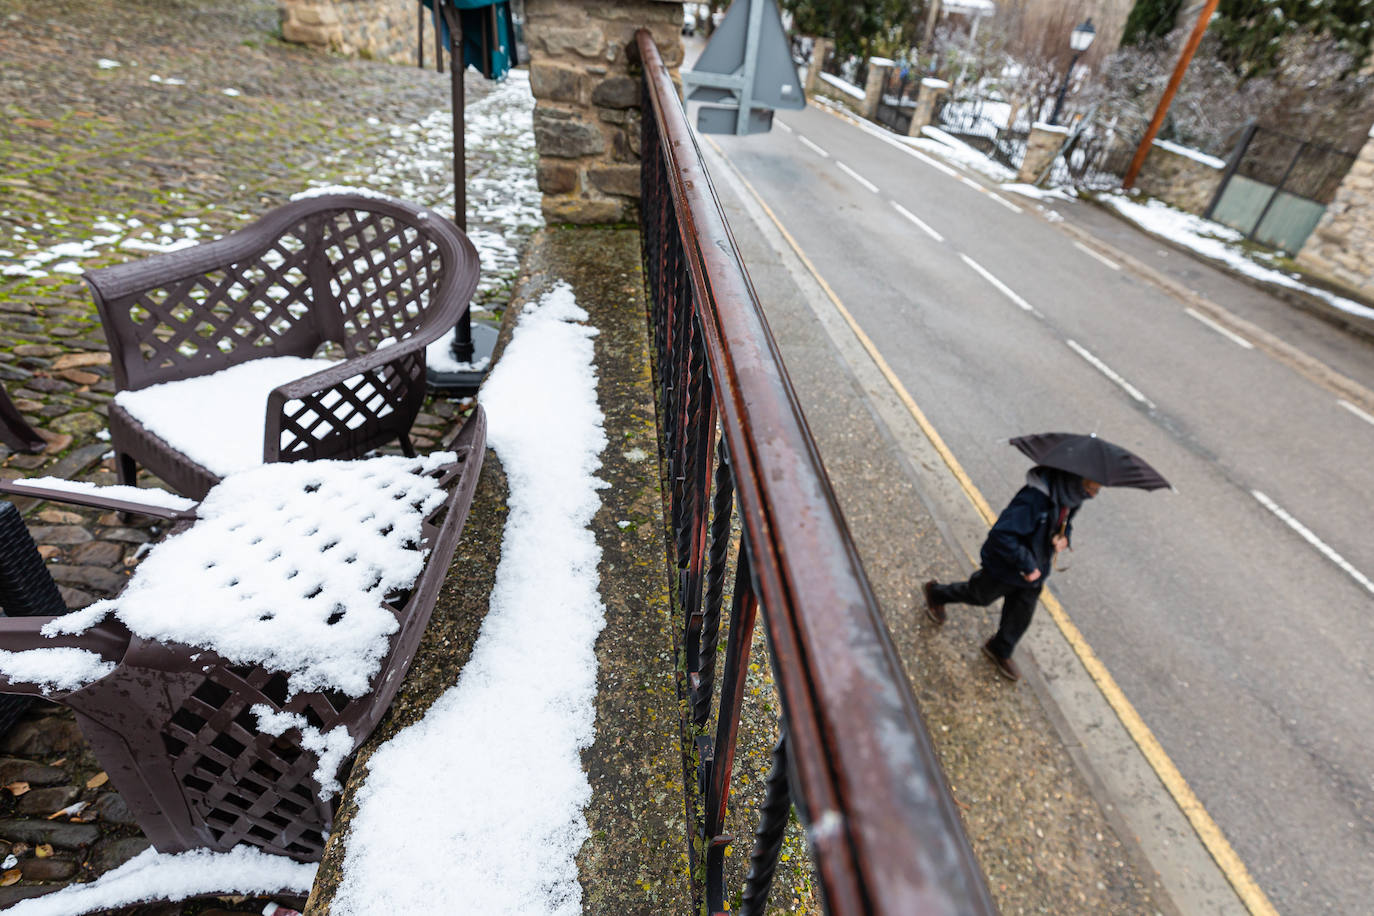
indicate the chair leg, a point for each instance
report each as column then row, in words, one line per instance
column 127, row 469
column 406, row 447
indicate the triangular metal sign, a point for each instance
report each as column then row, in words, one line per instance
column 775, row 83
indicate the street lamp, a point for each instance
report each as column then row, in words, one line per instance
column 1079, row 39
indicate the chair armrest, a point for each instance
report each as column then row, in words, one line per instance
column 299, row 406
column 20, row 634
column 127, row 500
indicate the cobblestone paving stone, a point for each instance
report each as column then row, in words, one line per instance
column 129, row 126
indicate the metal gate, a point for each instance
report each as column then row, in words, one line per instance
column 897, row 102
column 1276, row 187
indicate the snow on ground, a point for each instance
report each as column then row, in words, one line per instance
column 507, row 738
column 151, row 875
column 1220, row 243
column 948, row 146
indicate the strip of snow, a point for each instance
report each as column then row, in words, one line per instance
column 1193, row 154
column 148, row 496
column 151, row 875
column 522, row 710
column 845, row 87
column 439, row 357
column 286, row 568
column 1030, row 190
column 340, row 189
column 1215, row 241
column 54, row 669
column 951, row 147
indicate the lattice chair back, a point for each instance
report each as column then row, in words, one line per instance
column 352, row 269
column 181, row 729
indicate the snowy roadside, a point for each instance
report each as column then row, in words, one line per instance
column 1220, row 243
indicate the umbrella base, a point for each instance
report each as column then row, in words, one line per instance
column 465, row 380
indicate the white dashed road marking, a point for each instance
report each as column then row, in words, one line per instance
column 1356, row 411
column 1224, row 332
column 917, row 221
column 857, row 177
column 1110, row 373
column 813, row 147
column 1093, row 254
column 1001, row 287
column 1315, row 541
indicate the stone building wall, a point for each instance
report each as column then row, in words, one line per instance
column 1341, row 248
column 585, row 76
column 379, row 29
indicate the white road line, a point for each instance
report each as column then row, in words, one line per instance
column 1001, row 287
column 1224, row 332
column 782, row 125
column 1106, row 370
column 1315, row 541
column 1003, row 201
column 917, row 220
column 1355, row 410
column 1103, row 258
column 813, row 147
column 857, row 177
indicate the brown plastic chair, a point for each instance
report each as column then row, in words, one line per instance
column 172, row 725
column 378, row 277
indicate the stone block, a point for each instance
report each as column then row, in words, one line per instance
column 587, row 41
column 615, row 179
column 566, row 136
column 557, row 83
column 318, row 35
column 313, row 14
column 617, row 92
column 584, row 211
column 555, row 177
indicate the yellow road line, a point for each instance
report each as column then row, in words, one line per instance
column 1230, row 864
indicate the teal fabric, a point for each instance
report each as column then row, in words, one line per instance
column 488, row 34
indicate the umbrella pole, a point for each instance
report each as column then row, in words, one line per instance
column 462, row 334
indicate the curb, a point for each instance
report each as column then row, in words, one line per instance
column 1308, row 302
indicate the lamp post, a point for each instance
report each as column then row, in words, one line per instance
column 1079, row 39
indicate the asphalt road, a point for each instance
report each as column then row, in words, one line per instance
column 1233, row 613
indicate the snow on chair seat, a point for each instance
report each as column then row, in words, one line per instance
column 255, row 649
column 376, row 278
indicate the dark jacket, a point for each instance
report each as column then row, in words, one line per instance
column 1023, row 538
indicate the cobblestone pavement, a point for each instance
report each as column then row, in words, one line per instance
column 129, row 126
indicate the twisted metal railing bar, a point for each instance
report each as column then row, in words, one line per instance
column 855, row 760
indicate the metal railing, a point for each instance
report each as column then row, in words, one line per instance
column 964, row 119
column 854, row 758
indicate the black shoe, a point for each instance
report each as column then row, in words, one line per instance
column 934, row 609
column 1005, row 666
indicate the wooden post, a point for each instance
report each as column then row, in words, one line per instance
column 1163, row 108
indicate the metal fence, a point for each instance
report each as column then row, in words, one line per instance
column 1276, row 187
column 964, row 118
column 753, row 517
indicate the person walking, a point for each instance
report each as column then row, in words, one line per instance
column 1016, row 558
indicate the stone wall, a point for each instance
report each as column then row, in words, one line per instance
column 586, row 80
column 1341, row 248
column 380, row 29
column 1184, row 178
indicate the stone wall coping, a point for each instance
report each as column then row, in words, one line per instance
column 931, row 82
column 881, row 62
column 1195, row 155
column 1050, row 128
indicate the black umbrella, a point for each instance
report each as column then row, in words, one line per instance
column 1091, row 457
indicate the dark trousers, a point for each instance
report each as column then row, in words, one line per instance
column 1018, row 606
